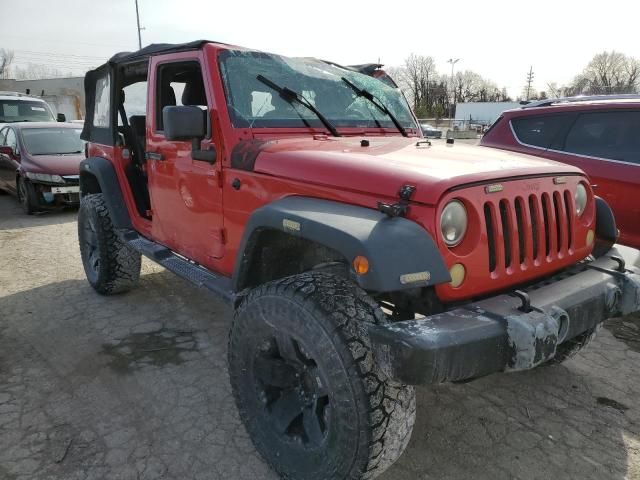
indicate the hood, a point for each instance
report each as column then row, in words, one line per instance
column 388, row 163
column 52, row 164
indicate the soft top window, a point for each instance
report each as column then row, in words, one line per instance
column 101, row 112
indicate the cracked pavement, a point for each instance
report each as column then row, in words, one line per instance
column 135, row 386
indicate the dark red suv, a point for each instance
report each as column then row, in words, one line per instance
column 599, row 134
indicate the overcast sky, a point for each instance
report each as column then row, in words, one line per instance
column 498, row 39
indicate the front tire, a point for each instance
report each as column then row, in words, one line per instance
column 313, row 399
column 27, row 196
column 110, row 264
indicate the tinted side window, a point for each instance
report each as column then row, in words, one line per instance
column 540, row 131
column 613, row 135
column 10, row 140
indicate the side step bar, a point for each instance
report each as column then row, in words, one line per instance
column 194, row 273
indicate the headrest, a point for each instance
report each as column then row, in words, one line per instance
column 193, row 93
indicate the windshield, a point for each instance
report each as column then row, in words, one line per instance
column 52, row 141
column 253, row 104
column 24, row 111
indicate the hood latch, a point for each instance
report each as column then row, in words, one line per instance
column 400, row 208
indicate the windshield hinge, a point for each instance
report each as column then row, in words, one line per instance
column 400, row 208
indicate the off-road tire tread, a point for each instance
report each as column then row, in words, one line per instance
column 391, row 405
column 120, row 266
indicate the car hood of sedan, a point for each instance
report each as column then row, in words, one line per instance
column 53, row 164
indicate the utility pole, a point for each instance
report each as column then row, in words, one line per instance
column 452, row 61
column 530, row 76
column 139, row 28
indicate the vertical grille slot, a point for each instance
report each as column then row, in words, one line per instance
column 521, row 229
column 491, row 237
column 568, row 203
column 560, row 220
column 533, row 211
column 506, row 232
column 546, row 213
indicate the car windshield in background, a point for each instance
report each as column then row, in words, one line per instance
column 24, row 111
column 52, row 141
column 253, row 104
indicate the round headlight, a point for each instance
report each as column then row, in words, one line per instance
column 581, row 199
column 453, row 223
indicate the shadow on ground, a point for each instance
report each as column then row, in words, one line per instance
column 135, row 386
column 12, row 217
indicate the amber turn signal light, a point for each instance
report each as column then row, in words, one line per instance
column 361, row 265
column 457, row 272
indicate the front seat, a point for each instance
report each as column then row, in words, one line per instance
column 194, row 93
column 137, row 124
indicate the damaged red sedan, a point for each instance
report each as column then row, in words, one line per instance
column 39, row 163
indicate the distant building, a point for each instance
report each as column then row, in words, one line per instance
column 482, row 112
column 65, row 95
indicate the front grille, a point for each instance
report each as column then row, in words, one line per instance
column 524, row 231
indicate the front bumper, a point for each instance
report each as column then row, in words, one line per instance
column 502, row 333
column 58, row 194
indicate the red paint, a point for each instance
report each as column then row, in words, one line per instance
column 616, row 182
column 198, row 213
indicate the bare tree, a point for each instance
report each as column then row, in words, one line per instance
column 607, row 73
column 6, row 58
column 416, row 77
column 430, row 93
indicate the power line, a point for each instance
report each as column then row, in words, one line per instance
column 110, row 46
column 54, row 54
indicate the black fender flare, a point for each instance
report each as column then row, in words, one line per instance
column 101, row 170
column 606, row 229
column 395, row 247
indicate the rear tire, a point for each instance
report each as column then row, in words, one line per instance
column 27, row 196
column 110, row 264
column 313, row 399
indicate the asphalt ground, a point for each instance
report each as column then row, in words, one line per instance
column 135, row 386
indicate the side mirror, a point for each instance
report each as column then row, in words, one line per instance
column 8, row 151
column 62, row 117
column 188, row 123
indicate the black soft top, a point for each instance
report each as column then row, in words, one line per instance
column 156, row 48
column 112, row 78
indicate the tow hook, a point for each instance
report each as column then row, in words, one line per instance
column 400, row 208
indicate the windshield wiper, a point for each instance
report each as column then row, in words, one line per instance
column 290, row 96
column 361, row 92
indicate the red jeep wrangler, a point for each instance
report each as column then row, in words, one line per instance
column 360, row 259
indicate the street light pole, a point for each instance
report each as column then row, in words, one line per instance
column 452, row 61
column 139, row 29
